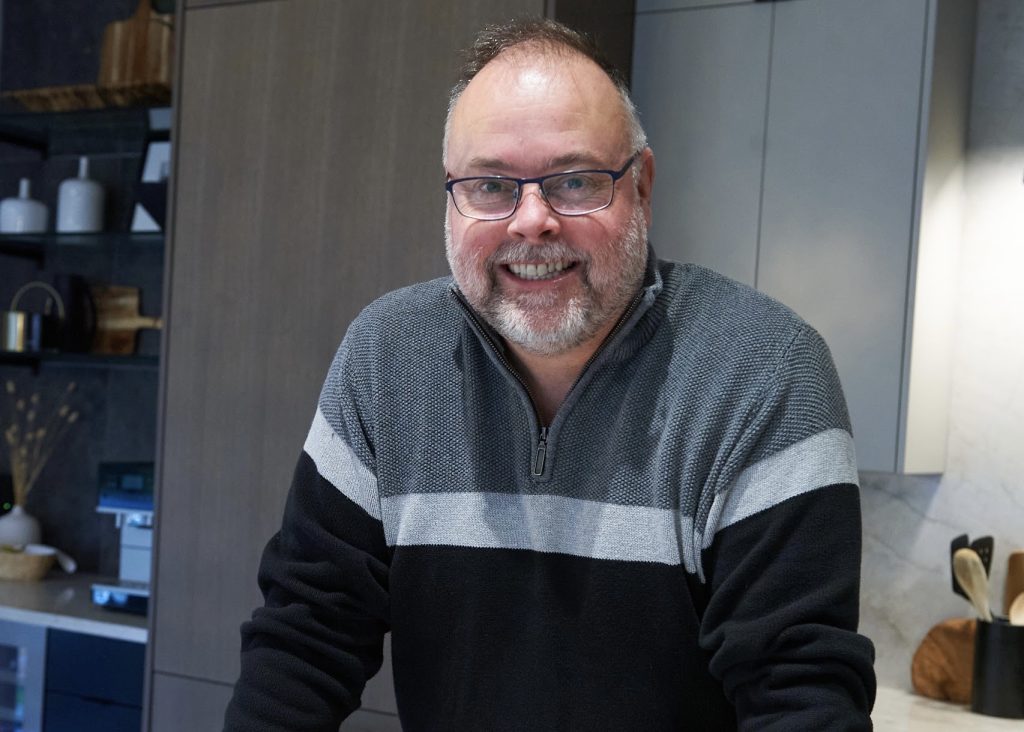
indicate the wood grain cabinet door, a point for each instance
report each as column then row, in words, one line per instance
column 308, row 181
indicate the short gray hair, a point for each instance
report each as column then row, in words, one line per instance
column 548, row 36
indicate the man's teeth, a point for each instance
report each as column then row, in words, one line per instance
column 537, row 271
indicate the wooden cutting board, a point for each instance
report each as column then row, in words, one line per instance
column 137, row 50
column 118, row 320
column 943, row 663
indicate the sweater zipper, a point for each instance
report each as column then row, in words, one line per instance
column 540, row 454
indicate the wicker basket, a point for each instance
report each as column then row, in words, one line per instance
column 25, row 566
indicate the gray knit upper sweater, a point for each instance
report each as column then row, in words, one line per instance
column 678, row 550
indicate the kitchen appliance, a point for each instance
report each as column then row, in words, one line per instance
column 126, row 490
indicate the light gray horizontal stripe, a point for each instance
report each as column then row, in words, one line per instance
column 540, row 523
column 824, row 459
column 340, row 467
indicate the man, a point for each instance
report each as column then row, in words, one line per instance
column 583, row 488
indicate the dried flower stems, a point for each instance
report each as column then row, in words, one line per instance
column 29, row 441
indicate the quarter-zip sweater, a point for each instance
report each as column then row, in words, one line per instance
column 678, row 550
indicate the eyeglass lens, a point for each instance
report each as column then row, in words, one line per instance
column 568, row 193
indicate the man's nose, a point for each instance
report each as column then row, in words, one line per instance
column 534, row 219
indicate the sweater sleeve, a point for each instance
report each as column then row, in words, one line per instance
column 782, row 561
column 309, row 651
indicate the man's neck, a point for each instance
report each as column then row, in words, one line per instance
column 550, row 377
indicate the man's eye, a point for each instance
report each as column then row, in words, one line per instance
column 573, row 184
column 492, row 187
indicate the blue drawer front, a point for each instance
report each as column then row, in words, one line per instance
column 101, row 669
column 69, row 713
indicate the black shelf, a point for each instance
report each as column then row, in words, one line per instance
column 94, row 130
column 37, row 360
column 39, row 247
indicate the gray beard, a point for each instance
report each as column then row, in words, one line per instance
column 580, row 318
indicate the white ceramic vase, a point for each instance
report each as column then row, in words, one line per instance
column 80, row 202
column 23, row 215
column 18, row 528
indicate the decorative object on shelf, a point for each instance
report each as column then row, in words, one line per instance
column 24, row 563
column 151, row 206
column 79, row 324
column 22, row 331
column 23, row 215
column 18, row 528
column 80, row 202
column 31, row 432
column 31, row 562
column 138, row 50
column 118, row 320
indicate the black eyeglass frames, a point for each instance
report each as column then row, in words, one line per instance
column 572, row 193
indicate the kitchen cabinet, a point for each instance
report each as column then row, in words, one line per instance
column 22, row 675
column 93, row 684
column 851, row 216
column 66, row 664
column 646, row 6
column 701, row 80
column 308, row 181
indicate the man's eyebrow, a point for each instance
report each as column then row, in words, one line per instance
column 574, row 160
column 565, row 161
column 488, row 164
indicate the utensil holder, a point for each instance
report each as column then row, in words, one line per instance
column 998, row 678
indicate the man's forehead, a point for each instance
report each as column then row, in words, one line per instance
column 542, row 71
column 538, row 94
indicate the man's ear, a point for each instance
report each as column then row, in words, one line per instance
column 645, row 181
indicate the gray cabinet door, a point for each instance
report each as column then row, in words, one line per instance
column 839, row 191
column 308, row 181
column 700, row 81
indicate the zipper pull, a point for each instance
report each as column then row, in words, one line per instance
column 542, row 452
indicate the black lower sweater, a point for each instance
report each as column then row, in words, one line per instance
column 678, row 550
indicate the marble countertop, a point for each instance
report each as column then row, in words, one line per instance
column 897, row 710
column 65, row 602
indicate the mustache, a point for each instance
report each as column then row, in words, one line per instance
column 511, row 252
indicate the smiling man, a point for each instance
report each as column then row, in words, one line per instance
column 583, row 488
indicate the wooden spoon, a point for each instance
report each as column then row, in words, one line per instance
column 970, row 573
column 1017, row 610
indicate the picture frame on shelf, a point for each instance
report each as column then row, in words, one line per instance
column 151, row 195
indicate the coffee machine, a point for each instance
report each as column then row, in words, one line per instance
column 126, row 491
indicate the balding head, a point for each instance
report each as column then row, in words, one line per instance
column 535, row 40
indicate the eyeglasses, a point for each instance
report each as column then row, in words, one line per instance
column 574, row 193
